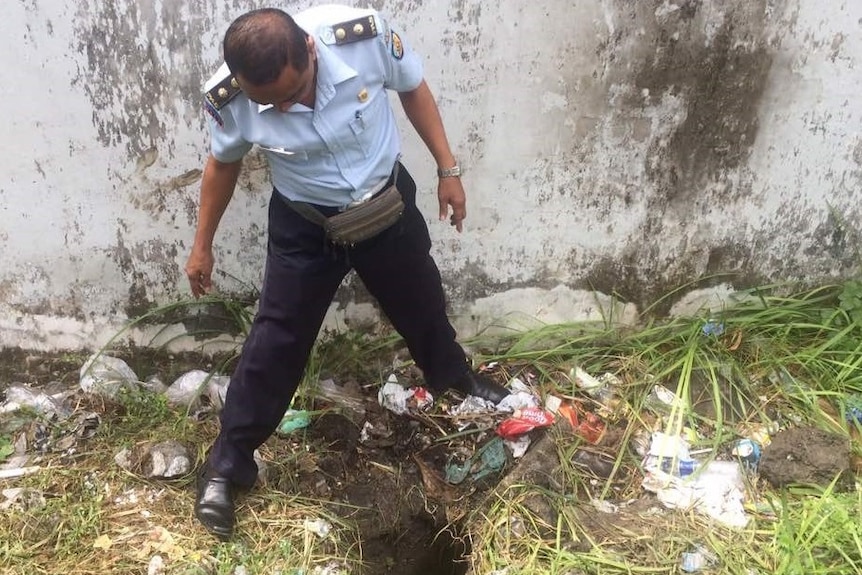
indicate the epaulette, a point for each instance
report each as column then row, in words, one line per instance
column 223, row 92
column 355, row 30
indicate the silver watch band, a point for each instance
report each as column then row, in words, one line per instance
column 453, row 172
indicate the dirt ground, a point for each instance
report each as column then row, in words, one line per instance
column 380, row 484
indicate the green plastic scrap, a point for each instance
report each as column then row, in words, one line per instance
column 293, row 420
column 491, row 458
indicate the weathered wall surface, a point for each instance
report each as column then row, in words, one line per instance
column 610, row 145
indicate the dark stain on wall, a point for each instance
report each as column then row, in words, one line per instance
column 712, row 63
column 721, row 80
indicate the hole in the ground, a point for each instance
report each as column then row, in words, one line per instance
column 422, row 550
column 445, row 555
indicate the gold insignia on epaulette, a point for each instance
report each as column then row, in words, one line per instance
column 223, row 92
column 354, row 30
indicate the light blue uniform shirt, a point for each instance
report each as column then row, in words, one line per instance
column 344, row 148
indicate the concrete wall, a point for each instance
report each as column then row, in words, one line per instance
column 613, row 146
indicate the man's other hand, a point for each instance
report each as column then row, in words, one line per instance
column 199, row 269
column 450, row 193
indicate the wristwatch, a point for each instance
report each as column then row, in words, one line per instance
column 453, row 172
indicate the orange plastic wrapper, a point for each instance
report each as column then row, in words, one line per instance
column 585, row 423
column 524, row 420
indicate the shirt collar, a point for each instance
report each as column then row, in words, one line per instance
column 331, row 71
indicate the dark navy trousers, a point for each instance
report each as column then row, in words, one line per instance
column 302, row 275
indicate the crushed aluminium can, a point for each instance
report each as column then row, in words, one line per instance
column 748, row 453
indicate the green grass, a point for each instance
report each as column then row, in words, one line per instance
column 789, row 358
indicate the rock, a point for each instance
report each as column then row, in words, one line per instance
column 125, row 459
column 167, row 460
column 155, row 385
column 106, row 375
column 806, row 456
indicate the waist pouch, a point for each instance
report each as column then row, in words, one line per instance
column 360, row 222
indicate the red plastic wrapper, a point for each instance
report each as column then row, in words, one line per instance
column 524, row 420
column 585, row 423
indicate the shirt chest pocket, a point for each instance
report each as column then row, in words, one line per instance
column 368, row 125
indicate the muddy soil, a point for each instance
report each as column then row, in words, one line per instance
column 807, row 456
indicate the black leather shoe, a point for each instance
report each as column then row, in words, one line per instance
column 214, row 507
column 481, row 386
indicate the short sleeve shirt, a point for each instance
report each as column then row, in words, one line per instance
column 345, row 146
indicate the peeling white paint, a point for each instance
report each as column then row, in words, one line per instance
column 615, row 146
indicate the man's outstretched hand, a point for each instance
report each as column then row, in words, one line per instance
column 199, row 269
column 450, row 193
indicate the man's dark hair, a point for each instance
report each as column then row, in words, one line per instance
column 259, row 44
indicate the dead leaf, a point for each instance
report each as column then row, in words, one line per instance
column 102, row 542
column 735, row 340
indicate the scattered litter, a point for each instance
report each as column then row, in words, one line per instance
column 217, row 390
column 521, row 397
column 716, row 490
column 854, row 409
column 18, row 472
column 471, row 410
column 186, row 389
column 585, row 382
column 262, row 467
column 422, row 398
column 24, row 397
column 165, row 460
column 697, row 560
column 319, row 527
column 713, row 327
column 748, row 453
column 604, row 506
column 584, row 423
column 379, row 436
column 669, row 454
column 758, row 432
column 523, row 421
column 156, row 566
column 293, row 420
column 519, row 446
column 398, row 399
column 661, row 400
column 346, row 397
column 472, row 405
column 490, row 458
column 331, row 568
column 106, row 375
